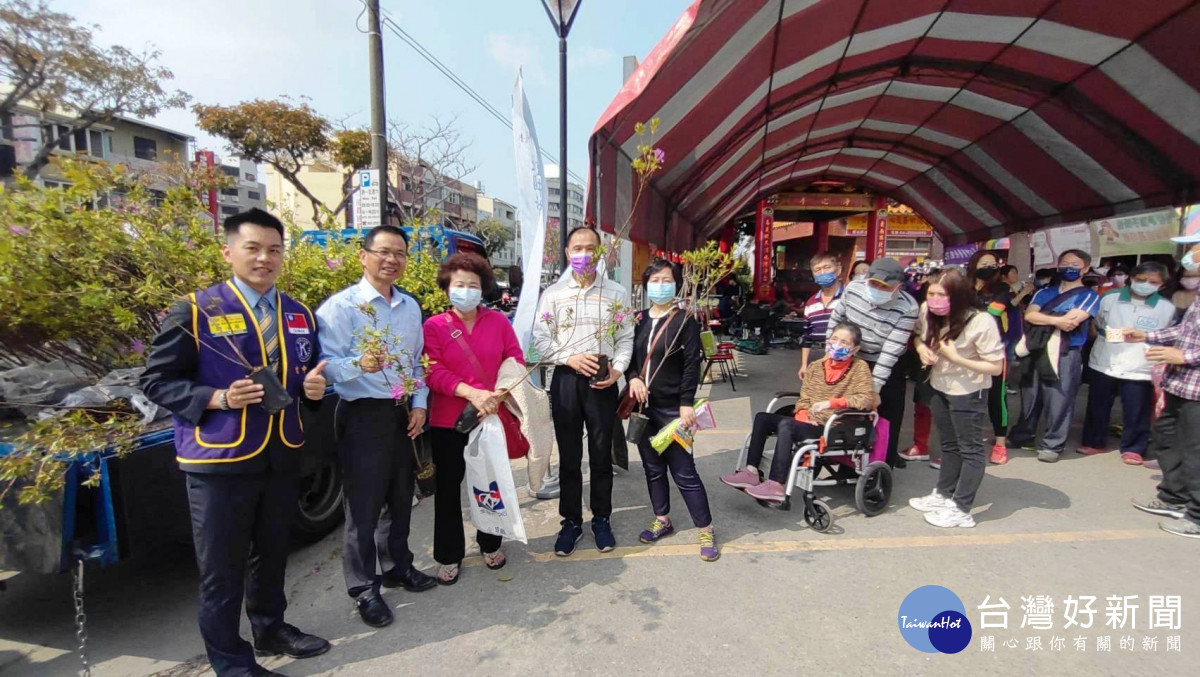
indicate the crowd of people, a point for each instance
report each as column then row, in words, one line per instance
column 961, row 333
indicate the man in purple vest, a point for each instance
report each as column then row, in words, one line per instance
column 222, row 357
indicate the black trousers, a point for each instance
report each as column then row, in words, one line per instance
column 376, row 457
column 1176, row 445
column 891, row 407
column 449, row 544
column 682, row 466
column 576, row 404
column 240, row 527
column 788, row 431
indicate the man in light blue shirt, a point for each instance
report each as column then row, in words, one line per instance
column 376, row 423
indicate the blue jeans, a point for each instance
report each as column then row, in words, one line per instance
column 680, row 463
column 1056, row 400
column 1137, row 401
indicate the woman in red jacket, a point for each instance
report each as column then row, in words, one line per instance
column 466, row 346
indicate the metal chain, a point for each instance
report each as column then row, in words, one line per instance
column 80, row 618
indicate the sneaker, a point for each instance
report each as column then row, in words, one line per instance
column 1181, row 526
column 1151, row 464
column 1131, row 458
column 936, row 464
column 708, row 547
column 934, row 501
column 916, row 453
column 768, row 491
column 1047, row 456
column 1021, row 447
column 1157, row 506
column 743, row 479
column 1090, row 451
column 951, row 517
column 568, row 536
column 999, row 455
column 602, row 532
column 657, row 529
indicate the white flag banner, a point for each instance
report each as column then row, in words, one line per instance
column 531, row 208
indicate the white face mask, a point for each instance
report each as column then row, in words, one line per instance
column 1189, row 264
column 1190, row 283
column 465, row 299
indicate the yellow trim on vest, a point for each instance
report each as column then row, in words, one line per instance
column 195, row 320
column 270, row 419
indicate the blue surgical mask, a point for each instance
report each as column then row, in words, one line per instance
column 826, row 279
column 1143, row 288
column 660, row 292
column 1069, row 273
column 837, row 353
column 465, row 299
column 1189, row 264
column 879, row 297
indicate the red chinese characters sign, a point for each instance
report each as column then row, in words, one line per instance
column 764, row 251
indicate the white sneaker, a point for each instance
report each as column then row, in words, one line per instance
column 950, row 517
column 934, row 501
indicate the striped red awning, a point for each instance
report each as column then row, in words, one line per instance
column 985, row 116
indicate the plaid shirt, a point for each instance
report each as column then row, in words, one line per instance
column 1182, row 380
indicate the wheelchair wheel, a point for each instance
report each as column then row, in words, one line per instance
column 818, row 517
column 873, row 489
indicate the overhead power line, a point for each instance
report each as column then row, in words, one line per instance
column 461, row 84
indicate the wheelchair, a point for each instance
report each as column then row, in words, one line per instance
column 846, row 452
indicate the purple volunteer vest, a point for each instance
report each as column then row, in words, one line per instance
column 240, row 434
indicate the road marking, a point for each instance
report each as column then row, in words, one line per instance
column 835, row 543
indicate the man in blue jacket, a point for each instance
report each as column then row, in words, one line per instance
column 220, row 355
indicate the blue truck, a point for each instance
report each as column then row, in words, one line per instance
column 141, row 501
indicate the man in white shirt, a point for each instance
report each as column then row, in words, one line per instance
column 1121, row 368
column 570, row 331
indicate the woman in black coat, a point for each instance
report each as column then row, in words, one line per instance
column 663, row 377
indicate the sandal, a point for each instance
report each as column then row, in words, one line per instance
column 447, row 574
column 495, row 560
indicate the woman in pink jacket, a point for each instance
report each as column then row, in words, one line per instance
column 466, row 346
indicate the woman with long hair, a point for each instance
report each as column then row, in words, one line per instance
column 994, row 294
column 962, row 346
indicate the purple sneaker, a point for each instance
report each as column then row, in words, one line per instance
column 770, row 490
column 743, row 479
column 708, row 547
column 657, row 529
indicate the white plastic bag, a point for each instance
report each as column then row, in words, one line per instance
column 490, row 487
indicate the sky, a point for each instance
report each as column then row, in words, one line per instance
column 227, row 51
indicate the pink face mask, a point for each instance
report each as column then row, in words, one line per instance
column 940, row 305
column 1190, row 283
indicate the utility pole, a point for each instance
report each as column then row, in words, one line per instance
column 378, row 110
column 562, row 150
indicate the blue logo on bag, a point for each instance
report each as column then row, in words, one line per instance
column 933, row 619
column 489, row 500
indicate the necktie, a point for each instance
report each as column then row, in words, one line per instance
column 270, row 333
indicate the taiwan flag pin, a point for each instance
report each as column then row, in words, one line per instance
column 296, row 323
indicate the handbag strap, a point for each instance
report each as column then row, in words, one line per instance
column 654, row 340
column 457, row 335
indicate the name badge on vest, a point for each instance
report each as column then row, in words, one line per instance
column 1147, row 323
column 297, row 323
column 227, row 325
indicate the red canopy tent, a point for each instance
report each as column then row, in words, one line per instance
column 986, row 116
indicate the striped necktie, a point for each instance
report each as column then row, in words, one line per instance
column 270, row 332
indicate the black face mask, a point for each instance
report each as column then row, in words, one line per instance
column 985, row 274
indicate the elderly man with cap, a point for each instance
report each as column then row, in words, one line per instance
column 886, row 316
column 1176, row 434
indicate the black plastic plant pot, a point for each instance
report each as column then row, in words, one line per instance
column 636, row 428
column 601, row 372
column 467, row 420
column 275, row 396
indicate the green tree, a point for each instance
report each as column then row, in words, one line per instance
column 277, row 132
column 51, row 63
column 493, row 233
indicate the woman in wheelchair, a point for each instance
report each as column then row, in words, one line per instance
column 962, row 344
column 837, row 381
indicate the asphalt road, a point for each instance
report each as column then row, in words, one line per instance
column 782, row 599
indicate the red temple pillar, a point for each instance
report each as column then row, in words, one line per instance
column 877, row 230
column 725, row 244
column 821, row 236
column 764, row 291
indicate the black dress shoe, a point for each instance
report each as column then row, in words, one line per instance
column 373, row 609
column 289, row 641
column 412, row 580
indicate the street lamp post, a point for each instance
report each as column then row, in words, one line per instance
column 562, row 15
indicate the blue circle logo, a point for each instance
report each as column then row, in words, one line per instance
column 933, row 619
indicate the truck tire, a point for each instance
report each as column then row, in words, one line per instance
column 320, row 504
